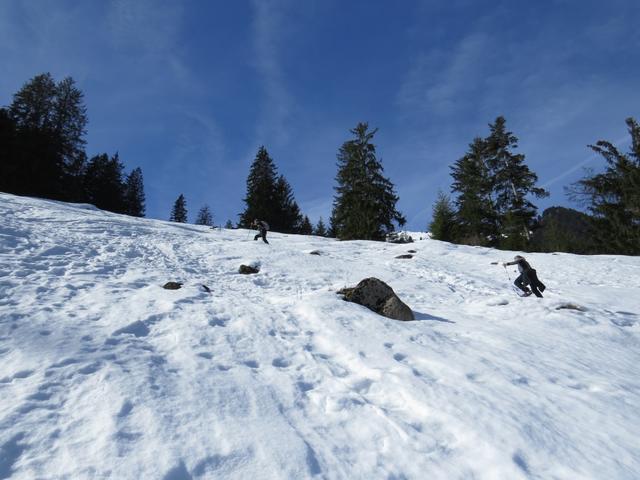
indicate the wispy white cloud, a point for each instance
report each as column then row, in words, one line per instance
column 269, row 27
column 437, row 80
column 147, row 25
column 580, row 165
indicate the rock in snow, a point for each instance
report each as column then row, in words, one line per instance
column 379, row 297
column 248, row 269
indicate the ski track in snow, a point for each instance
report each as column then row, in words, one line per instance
column 106, row 375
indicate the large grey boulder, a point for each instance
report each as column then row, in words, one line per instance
column 379, row 297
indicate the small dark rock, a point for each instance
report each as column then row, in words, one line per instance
column 315, row 252
column 248, row 269
column 412, row 251
column 571, row 306
column 406, row 255
column 172, row 285
column 205, row 288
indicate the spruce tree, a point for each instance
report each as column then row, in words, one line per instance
column 613, row 197
column 103, row 184
column 513, row 183
column 493, row 186
column 134, row 197
column 51, row 121
column 321, row 229
column 204, row 217
column 261, row 187
column 179, row 211
column 305, row 226
column 287, row 218
column 477, row 220
column 269, row 197
column 228, row 225
column 9, row 164
column 365, row 203
column 443, row 223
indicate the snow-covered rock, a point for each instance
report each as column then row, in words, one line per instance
column 103, row 374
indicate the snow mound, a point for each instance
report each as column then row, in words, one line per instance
column 107, row 375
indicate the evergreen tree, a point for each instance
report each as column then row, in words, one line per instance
column 33, row 105
column 321, row 229
column 305, row 226
column 179, row 211
column 269, row 197
column 9, row 167
column 287, row 218
column 103, row 183
column 443, row 224
column 134, row 198
column 69, row 124
column 513, row 182
column 50, row 119
column 613, row 196
column 365, row 203
column 477, row 221
column 261, row 186
column 493, row 185
column 204, row 216
column 228, row 225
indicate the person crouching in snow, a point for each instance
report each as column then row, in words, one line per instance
column 527, row 277
column 263, row 227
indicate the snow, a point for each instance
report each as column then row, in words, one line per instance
column 104, row 374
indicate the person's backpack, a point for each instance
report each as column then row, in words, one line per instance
column 265, row 225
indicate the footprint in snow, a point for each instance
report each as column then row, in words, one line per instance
column 520, row 381
column 91, row 368
column 281, row 362
column 399, row 357
column 362, row 386
column 125, row 410
column 18, row 375
column 217, row 322
column 252, row 364
column 305, row 386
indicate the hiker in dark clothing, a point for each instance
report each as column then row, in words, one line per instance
column 527, row 277
column 263, row 227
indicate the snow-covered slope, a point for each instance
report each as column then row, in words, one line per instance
column 104, row 374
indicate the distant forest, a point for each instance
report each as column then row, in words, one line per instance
column 491, row 200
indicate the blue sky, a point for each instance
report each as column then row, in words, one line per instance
column 188, row 90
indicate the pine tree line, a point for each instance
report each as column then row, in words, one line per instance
column 492, row 204
column 42, row 151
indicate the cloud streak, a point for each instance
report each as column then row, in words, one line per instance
column 268, row 27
